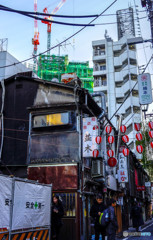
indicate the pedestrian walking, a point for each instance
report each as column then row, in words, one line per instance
column 136, row 215
column 112, row 226
column 97, row 208
column 57, row 214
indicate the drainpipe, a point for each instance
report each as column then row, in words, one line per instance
column 2, row 117
column 103, row 103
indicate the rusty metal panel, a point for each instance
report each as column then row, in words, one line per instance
column 53, row 95
column 62, row 177
column 60, row 147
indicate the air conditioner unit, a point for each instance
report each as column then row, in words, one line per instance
column 97, row 168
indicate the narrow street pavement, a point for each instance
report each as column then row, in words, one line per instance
column 145, row 234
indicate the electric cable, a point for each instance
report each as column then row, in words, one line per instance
column 71, row 36
column 47, row 20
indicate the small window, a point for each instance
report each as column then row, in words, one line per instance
column 51, row 120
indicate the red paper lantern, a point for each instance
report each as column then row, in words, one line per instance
column 95, row 127
column 139, row 136
column 139, row 149
column 108, row 129
column 112, row 162
column 125, row 139
column 123, row 128
column 151, row 134
column 110, row 153
column 126, row 152
column 150, row 125
column 137, row 126
column 151, row 144
column 95, row 153
column 111, row 139
column 98, row 139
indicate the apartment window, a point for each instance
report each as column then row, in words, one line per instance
column 129, row 129
column 135, row 93
column 118, row 84
column 132, row 47
column 133, row 61
column 127, row 112
column 133, row 77
column 127, row 93
column 103, row 67
column 119, row 100
column 136, row 109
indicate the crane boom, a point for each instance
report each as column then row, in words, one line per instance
column 49, row 24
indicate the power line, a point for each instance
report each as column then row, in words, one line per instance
column 71, row 36
column 46, row 20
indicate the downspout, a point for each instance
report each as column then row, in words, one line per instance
column 2, row 117
column 103, row 103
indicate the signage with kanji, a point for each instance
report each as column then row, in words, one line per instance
column 90, row 132
column 145, row 90
column 122, row 176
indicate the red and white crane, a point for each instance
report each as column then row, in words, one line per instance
column 45, row 10
column 35, row 39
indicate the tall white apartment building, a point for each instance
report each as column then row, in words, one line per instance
column 115, row 74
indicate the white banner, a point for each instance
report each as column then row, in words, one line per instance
column 5, row 201
column 122, row 176
column 31, row 205
column 90, row 132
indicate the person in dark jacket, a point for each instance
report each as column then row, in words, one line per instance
column 57, row 214
column 112, row 225
column 97, row 208
column 136, row 215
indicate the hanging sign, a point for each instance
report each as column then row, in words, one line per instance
column 122, row 176
column 123, row 128
column 91, row 138
column 145, row 89
column 140, row 188
column 137, row 126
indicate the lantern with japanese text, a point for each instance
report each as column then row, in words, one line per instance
column 139, row 149
column 110, row 139
column 110, row 153
column 123, row 128
column 95, row 127
column 125, row 152
column 151, row 134
column 150, row 124
column 137, row 126
column 95, row 153
column 112, row 162
column 125, row 138
column 151, row 144
column 139, row 136
column 108, row 129
column 98, row 139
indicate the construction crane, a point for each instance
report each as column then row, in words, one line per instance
column 35, row 39
column 45, row 10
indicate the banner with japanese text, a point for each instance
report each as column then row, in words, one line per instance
column 31, row 205
column 5, row 200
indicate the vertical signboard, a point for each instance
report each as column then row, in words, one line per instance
column 122, row 172
column 145, row 90
column 5, row 200
column 90, row 132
